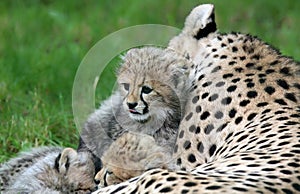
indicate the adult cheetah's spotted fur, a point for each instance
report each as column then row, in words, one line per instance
column 241, row 130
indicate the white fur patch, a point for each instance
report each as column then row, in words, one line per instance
column 140, row 117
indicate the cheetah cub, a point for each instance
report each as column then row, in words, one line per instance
column 129, row 156
column 48, row 170
column 150, row 95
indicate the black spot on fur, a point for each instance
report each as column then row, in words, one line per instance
column 219, row 84
column 262, row 80
column 204, row 95
column 248, row 80
column 239, row 69
column 232, row 113
column 187, row 145
column 214, row 187
column 262, row 104
column 250, row 85
column 249, row 74
column 195, row 99
column 206, row 84
column 291, row 97
column 192, row 158
column 280, row 101
column 251, row 94
column 231, row 88
column 269, row 71
column 204, row 115
column 200, row 147
column 165, row 190
column 242, row 138
column 149, row 183
column 181, row 134
column 198, row 109
column 208, row 128
column 216, row 69
column 274, row 63
column 227, row 75
column 270, row 90
column 297, row 85
column 251, row 116
column 259, row 68
column 261, row 75
column 189, row 116
column 201, row 77
column 178, row 162
column 190, row 184
column 232, row 63
column 244, row 103
column 192, row 128
column 238, row 120
column 266, row 111
column 226, row 100
column 222, row 127
column 256, row 57
column 234, row 49
column 242, row 58
column 212, row 149
column 282, row 83
column 249, row 65
column 213, row 97
column 219, row 115
column 239, row 189
column 223, row 57
column 236, row 80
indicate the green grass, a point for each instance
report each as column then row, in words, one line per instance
column 42, row 42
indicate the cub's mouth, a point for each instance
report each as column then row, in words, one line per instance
column 139, row 116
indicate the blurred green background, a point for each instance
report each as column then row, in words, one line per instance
column 42, row 42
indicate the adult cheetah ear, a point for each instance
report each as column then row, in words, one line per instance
column 200, row 22
column 63, row 160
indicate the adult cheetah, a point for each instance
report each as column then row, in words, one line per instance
column 240, row 132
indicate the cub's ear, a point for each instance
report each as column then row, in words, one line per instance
column 128, row 53
column 200, row 22
column 63, row 160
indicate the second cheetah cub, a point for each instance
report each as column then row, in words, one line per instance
column 48, row 170
column 131, row 155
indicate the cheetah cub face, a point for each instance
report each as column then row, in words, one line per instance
column 131, row 155
column 149, row 81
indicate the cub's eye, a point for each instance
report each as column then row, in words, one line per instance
column 126, row 86
column 146, row 90
column 109, row 172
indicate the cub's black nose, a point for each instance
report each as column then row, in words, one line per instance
column 132, row 105
column 96, row 181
